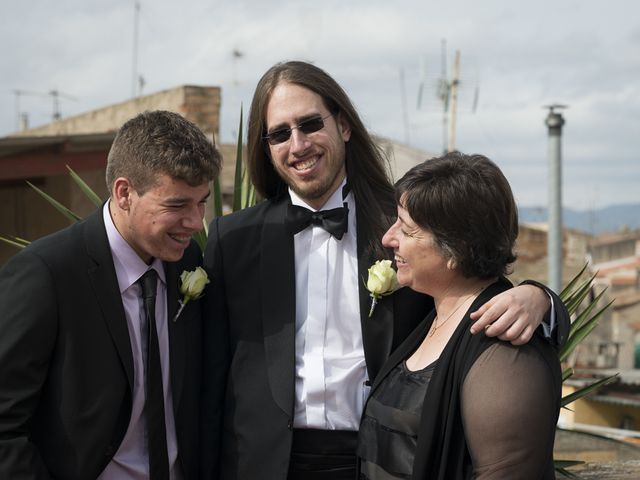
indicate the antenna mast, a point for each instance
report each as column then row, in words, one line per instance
column 405, row 114
column 454, row 101
column 136, row 20
column 443, row 93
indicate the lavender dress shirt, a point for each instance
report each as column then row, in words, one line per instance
column 131, row 461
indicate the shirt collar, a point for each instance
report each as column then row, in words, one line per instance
column 129, row 266
column 334, row 201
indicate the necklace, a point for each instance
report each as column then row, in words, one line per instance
column 435, row 325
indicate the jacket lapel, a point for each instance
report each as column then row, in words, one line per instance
column 377, row 331
column 177, row 337
column 103, row 279
column 278, row 304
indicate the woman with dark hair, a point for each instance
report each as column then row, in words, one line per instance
column 448, row 404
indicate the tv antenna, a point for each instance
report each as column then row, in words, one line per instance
column 55, row 96
column 447, row 90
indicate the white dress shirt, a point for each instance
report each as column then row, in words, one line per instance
column 330, row 364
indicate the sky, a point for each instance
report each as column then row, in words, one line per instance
column 517, row 56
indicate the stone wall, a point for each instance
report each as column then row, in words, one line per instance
column 201, row 105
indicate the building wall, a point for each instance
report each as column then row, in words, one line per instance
column 603, row 251
column 27, row 215
column 201, row 105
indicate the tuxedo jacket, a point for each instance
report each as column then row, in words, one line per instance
column 66, row 366
column 250, row 340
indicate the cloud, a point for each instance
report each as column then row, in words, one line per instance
column 521, row 56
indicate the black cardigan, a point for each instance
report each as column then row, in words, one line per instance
column 442, row 451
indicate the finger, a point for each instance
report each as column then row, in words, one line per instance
column 489, row 316
column 523, row 338
column 480, row 311
column 513, row 332
column 501, row 326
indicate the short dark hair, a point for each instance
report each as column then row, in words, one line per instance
column 466, row 203
column 161, row 142
column 366, row 165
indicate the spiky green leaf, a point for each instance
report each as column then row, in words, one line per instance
column 587, row 314
column 572, row 397
column 567, row 373
column 57, row 205
column 200, row 238
column 217, row 198
column 15, row 241
column 576, row 298
column 566, row 291
column 238, row 176
column 577, row 335
column 86, row 189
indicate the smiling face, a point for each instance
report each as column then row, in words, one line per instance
column 420, row 262
column 159, row 223
column 312, row 164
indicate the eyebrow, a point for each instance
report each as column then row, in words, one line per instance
column 183, row 200
column 402, row 220
column 297, row 120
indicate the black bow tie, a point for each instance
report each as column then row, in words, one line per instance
column 334, row 221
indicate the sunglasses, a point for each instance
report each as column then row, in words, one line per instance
column 308, row 126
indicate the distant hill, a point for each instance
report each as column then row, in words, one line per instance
column 609, row 219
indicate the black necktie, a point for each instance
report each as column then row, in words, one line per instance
column 334, row 221
column 154, row 406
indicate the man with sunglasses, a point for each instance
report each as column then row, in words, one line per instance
column 290, row 347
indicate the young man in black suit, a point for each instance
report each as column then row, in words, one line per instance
column 95, row 381
column 290, row 347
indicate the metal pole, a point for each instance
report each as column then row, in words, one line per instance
column 134, row 74
column 454, row 101
column 554, row 122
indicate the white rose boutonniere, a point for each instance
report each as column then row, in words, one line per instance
column 191, row 286
column 382, row 281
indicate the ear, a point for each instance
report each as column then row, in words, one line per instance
column 343, row 127
column 122, row 192
column 451, row 264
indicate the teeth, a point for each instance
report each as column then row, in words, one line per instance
column 399, row 259
column 180, row 238
column 304, row 165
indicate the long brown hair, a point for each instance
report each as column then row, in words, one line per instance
column 366, row 165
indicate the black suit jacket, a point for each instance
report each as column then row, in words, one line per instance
column 66, row 367
column 250, row 340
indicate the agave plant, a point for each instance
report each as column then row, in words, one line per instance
column 586, row 318
column 573, row 296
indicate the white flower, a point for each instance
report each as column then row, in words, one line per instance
column 382, row 281
column 191, row 287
